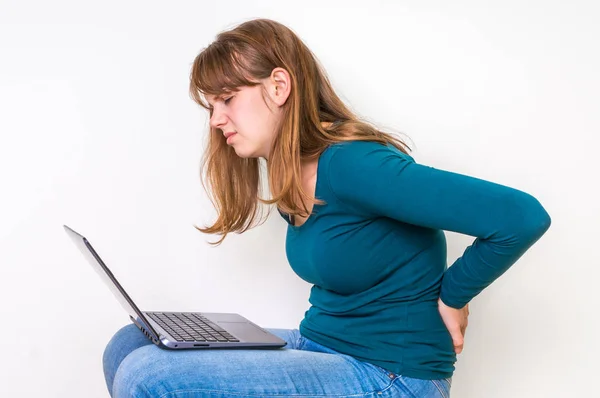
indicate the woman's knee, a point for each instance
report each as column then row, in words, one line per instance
column 125, row 340
column 151, row 372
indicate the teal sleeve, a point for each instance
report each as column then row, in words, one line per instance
column 380, row 180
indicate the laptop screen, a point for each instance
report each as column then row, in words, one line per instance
column 109, row 279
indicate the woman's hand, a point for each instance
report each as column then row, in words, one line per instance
column 456, row 321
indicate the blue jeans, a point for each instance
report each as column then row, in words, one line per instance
column 134, row 367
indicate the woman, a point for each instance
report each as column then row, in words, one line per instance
column 387, row 315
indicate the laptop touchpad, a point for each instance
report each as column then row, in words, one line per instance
column 244, row 331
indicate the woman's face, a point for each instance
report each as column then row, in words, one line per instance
column 246, row 114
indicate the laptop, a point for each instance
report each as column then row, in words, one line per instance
column 181, row 330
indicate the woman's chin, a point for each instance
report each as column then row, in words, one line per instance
column 241, row 153
column 244, row 152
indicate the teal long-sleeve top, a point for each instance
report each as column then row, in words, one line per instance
column 375, row 253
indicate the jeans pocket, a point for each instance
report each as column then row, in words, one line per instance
column 383, row 371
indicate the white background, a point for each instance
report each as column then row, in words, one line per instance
column 98, row 132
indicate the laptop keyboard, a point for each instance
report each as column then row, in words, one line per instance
column 189, row 326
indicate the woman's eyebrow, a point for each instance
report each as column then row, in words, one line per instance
column 216, row 98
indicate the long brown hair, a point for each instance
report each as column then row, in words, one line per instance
column 241, row 57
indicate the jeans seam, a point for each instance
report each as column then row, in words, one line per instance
column 299, row 341
column 232, row 393
column 440, row 389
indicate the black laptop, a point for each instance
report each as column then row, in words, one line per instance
column 181, row 330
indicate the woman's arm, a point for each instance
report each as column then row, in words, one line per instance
column 382, row 181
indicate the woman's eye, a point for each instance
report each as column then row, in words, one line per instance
column 227, row 100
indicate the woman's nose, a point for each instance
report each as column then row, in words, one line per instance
column 217, row 119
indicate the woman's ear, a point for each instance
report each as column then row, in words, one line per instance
column 279, row 86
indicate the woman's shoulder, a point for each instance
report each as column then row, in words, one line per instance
column 359, row 150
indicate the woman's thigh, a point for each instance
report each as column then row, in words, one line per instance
column 136, row 368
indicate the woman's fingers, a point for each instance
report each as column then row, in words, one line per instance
column 463, row 328
column 458, row 340
column 458, row 348
column 456, row 321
